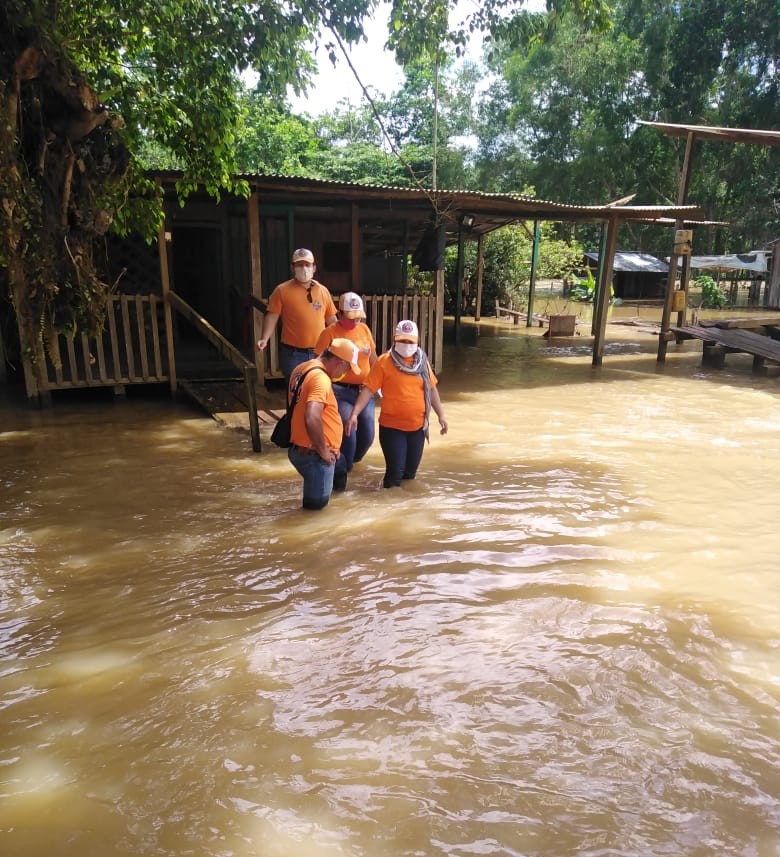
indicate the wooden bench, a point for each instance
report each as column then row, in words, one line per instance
column 515, row 314
column 717, row 342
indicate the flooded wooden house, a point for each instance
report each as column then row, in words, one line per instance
column 191, row 303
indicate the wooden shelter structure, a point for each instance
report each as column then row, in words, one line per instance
column 692, row 133
column 215, row 263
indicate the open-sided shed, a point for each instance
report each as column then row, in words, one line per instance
column 636, row 275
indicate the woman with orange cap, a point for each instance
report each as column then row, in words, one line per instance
column 409, row 392
column 350, row 325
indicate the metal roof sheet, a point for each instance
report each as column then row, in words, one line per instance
column 757, row 136
column 631, row 261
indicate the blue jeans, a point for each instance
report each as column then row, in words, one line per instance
column 290, row 357
column 403, row 452
column 317, row 477
column 354, row 446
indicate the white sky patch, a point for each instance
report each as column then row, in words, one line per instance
column 375, row 66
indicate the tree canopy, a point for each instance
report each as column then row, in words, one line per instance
column 563, row 115
column 86, row 84
column 88, row 87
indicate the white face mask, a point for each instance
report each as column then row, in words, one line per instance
column 303, row 273
column 405, row 349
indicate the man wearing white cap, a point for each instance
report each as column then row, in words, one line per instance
column 409, row 392
column 316, row 428
column 350, row 326
column 305, row 307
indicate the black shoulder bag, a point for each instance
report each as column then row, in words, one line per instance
column 283, row 428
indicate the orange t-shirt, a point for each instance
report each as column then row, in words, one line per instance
column 302, row 322
column 403, row 396
column 316, row 387
column 361, row 336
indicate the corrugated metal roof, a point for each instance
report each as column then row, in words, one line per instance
column 629, row 261
column 757, row 136
column 514, row 206
column 393, row 219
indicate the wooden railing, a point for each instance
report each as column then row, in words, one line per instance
column 134, row 347
column 131, row 349
column 229, row 352
column 383, row 312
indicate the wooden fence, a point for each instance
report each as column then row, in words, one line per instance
column 133, row 346
column 131, row 349
column 383, row 312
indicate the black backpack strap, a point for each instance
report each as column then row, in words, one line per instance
column 297, row 388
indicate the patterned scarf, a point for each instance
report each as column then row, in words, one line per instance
column 419, row 367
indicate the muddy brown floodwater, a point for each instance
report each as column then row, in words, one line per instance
column 562, row 639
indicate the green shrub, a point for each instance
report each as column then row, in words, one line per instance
column 711, row 295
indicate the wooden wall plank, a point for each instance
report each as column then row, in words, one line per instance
column 124, row 302
column 140, row 302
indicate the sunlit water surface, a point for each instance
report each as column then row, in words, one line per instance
column 562, row 639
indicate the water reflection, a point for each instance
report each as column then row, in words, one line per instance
column 560, row 640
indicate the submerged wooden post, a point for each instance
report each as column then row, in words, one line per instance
column 671, row 279
column 532, row 282
column 599, row 275
column 165, row 278
column 480, row 271
column 250, row 379
column 602, row 301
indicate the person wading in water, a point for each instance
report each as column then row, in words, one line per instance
column 409, row 393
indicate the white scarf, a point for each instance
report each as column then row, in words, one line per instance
column 419, row 367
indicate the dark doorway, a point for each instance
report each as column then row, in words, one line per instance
column 197, row 275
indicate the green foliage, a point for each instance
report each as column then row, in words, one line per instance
column 270, row 139
column 562, row 114
column 584, row 288
column 507, row 264
column 711, row 295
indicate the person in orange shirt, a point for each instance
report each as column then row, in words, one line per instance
column 350, row 326
column 409, row 391
column 316, row 428
column 305, row 307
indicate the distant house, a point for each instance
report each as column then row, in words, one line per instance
column 635, row 275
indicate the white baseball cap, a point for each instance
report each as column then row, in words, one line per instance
column 351, row 305
column 406, row 331
column 303, row 255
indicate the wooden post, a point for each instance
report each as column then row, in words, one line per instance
column 772, row 288
column 532, row 281
column 671, row 279
column 599, row 275
column 438, row 360
column 165, row 279
column 356, row 274
column 602, row 302
column 459, row 280
column 255, row 277
column 250, row 379
column 480, row 271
